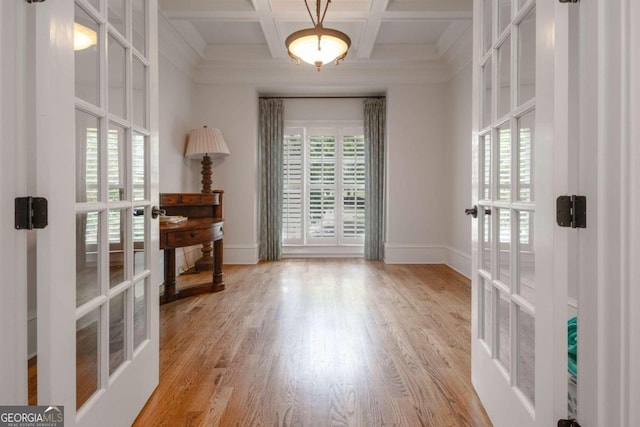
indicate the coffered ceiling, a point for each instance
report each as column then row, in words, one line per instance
column 384, row 32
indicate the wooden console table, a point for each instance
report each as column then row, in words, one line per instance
column 204, row 224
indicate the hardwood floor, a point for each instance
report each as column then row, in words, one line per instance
column 319, row 343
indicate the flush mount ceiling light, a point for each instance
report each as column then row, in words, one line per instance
column 318, row 45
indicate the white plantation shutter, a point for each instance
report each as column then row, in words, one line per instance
column 321, row 167
column 115, row 178
column 292, row 206
column 138, row 168
column 323, row 202
column 353, row 186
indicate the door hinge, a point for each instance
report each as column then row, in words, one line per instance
column 31, row 212
column 568, row 423
column 571, row 211
column 34, row 1
column 569, row 1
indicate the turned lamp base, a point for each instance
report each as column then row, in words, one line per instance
column 206, row 262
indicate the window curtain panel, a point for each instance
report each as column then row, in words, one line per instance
column 375, row 117
column 271, row 178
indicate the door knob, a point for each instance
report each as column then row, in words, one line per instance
column 473, row 211
column 155, row 212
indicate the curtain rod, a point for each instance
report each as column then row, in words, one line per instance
column 323, row 97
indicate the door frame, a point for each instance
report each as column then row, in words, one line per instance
column 634, row 203
column 13, row 183
column 609, row 309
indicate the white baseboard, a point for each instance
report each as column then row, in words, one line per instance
column 322, row 252
column 414, row 254
column 241, row 254
column 459, row 261
column 233, row 254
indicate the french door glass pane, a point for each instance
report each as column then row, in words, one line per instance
column 504, row 336
column 87, row 64
column 504, row 246
column 87, row 259
column 526, row 354
column 139, row 313
column 322, row 213
column 486, row 166
column 527, row 58
column 486, row 94
column 138, row 155
column 117, row 332
column 504, row 162
column 87, row 356
column 353, row 212
column 487, row 311
column 139, row 93
column 526, row 139
column 486, row 238
column 139, row 242
column 87, row 157
column 117, row 99
column 504, row 14
column 322, row 160
column 527, row 261
column 139, row 25
column 292, row 214
column 116, row 162
column 117, row 14
column 117, row 234
column 487, row 18
column 504, row 77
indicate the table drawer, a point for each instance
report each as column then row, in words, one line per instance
column 189, row 199
column 176, row 239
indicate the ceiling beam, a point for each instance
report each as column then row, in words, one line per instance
column 428, row 16
column 270, row 29
column 371, row 29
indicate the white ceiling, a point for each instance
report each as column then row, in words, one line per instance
column 397, row 32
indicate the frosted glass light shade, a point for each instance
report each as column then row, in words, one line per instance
column 318, row 46
column 206, row 141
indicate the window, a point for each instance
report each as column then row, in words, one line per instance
column 323, row 201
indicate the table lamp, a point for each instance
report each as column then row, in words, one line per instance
column 206, row 144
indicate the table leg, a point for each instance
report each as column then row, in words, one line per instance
column 170, row 292
column 218, row 274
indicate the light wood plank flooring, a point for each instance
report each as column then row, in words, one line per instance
column 319, row 343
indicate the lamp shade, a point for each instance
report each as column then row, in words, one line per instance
column 206, row 141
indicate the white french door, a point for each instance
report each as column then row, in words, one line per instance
column 97, row 156
column 515, row 333
column 13, row 252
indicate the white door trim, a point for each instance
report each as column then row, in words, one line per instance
column 633, row 290
column 609, row 375
column 13, row 254
column 618, row 229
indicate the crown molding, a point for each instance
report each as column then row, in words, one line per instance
column 460, row 53
column 283, row 73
